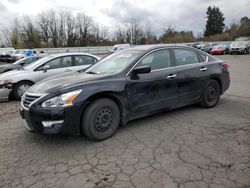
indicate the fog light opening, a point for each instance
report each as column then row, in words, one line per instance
column 52, row 124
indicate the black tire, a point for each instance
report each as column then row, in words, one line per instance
column 210, row 94
column 101, row 119
column 16, row 89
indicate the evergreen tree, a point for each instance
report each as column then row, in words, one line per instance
column 215, row 21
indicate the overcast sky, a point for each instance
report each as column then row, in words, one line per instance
column 181, row 14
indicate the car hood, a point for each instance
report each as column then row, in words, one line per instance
column 217, row 49
column 236, row 46
column 10, row 66
column 65, row 81
column 11, row 75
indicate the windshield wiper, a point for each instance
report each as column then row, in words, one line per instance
column 91, row 72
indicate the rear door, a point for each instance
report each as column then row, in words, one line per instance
column 192, row 74
column 156, row 90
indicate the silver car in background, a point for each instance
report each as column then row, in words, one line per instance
column 239, row 47
column 16, row 82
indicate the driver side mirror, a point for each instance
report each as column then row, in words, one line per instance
column 142, row 70
column 45, row 68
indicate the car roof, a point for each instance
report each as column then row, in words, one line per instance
column 156, row 46
column 72, row 53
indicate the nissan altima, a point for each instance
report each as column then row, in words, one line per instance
column 126, row 85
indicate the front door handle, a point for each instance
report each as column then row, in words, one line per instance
column 203, row 68
column 171, row 76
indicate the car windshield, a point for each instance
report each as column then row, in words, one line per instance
column 114, row 63
column 19, row 61
column 36, row 63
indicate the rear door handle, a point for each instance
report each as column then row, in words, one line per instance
column 171, row 76
column 203, row 68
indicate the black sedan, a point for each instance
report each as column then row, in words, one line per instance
column 18, row 64
column 126, row 85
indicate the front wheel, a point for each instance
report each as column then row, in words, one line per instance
column 20, row 88
column 101, row 119
column 211, row 94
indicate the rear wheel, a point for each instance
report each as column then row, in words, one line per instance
column 101, row 119
column 211, row 94
column 20, row 88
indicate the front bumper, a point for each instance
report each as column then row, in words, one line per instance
column 4, row 94
column 52, row 121
column 237, row 51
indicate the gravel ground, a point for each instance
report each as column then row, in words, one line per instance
column 189, row 147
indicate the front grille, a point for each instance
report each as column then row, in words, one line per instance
column 28, row 98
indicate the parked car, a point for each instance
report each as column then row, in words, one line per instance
column 18, row 64
column 19, row 54
column 126, row 85
column 219, row 49
column 205, row 47
column 241, row 47
column 7, row 56
column 119, row 47
column 16, row 82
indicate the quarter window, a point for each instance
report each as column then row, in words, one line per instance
column 185, row 57
column 203, row 57
column 157, row 60
column 84, row 60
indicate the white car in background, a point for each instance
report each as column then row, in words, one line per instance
column 16, row 82
column 119, row 47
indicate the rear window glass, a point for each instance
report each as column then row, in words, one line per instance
column 185, row 57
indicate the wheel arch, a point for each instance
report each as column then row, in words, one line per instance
column 11, row 93
column 219, row 81
column 23, row 81
column 115, row 96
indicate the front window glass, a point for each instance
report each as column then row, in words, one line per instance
column 114, row 63
column 60, row 62
column 157, row 60
column 185, row 57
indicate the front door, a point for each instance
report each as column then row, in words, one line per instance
column 156, row 90
column 55, row 67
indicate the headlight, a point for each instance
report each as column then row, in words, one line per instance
column 63, row 100
column 4, row 82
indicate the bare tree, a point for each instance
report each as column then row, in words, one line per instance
column 120, row 34
column 29, row 35
column 84, row 24
column 62, row 38
column 43, row 26
column 134, row 32
column 13, row 34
